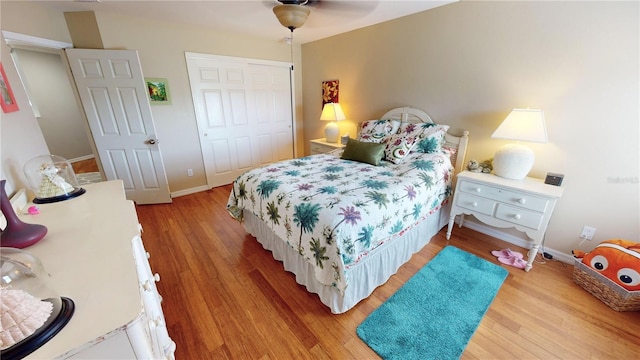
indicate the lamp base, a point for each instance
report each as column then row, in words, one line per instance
column 332, row 132
column 513, row 161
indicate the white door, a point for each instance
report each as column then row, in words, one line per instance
column 115, row 100
column 244, row 111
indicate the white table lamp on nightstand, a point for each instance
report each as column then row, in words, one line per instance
column 514, row 161
column 332, row 112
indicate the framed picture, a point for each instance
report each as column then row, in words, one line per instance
column 8, row 101
column 329, row 92
column 158, row 91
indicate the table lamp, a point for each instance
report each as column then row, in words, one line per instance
column 332, row 112
column 514, row 160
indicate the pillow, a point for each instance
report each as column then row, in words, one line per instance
column 431, row 139
column 377, row 131
column 365, row 152
column 400, row 144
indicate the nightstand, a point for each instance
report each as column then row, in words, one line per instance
column 525, row 204
column 321, row 146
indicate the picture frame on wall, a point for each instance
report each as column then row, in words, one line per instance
column 7, row 100
column 330, row 91
column 158, row 89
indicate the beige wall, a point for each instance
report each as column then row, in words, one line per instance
column 21, row 138
column 468, row 64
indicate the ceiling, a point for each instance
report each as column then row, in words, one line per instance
column 255, row 17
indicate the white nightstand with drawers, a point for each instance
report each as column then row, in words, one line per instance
column 321, row 146
column 525, row 204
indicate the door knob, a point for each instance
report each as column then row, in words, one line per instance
column 153, row 141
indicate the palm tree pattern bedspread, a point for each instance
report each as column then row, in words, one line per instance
column 334, row 212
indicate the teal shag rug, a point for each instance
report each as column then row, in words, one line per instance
column 434, row 314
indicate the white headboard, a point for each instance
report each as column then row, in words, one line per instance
column 456, row 138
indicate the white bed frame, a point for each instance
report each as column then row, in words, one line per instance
column 384, row 261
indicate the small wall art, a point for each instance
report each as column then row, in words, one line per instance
column 8, row 101
column 158, row 89
column 329, row 92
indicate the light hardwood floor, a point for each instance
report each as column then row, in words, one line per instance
column 85, row 166
column 225, row 297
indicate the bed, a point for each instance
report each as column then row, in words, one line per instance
column 343, row 227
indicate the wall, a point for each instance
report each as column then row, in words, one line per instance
column 468, row 64
column 60, row 117
column 161, row 48
column 21, row 136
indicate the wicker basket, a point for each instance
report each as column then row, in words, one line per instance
column 610, row 293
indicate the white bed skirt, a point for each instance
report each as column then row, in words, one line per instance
column 363, row 278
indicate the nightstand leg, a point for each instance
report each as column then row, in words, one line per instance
column 452, row 220
column 532, row 255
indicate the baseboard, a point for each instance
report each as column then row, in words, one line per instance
column 189, row 191
column 82, row 158
column 496, row 233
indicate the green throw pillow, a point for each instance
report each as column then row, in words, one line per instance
column 365, row 152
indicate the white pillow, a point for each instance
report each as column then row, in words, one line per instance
column 431, row 139
column 401, row 143
column 377, row 131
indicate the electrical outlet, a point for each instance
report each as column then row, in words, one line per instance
column 189, row 172
column 587, row 232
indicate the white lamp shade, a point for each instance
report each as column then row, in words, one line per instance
column 332, row 112
column 523, row 125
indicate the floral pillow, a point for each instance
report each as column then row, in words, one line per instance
column 377, row 131
column 400, row 144
column 431, row 139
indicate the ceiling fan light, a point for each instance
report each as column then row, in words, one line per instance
column 291, row 16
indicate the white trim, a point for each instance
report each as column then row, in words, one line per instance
column 16, row 40
column 195, row 55
column 190, row 191
column 82, row 158
column 494, row 232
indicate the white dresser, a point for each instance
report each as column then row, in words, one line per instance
column 525, row 204
column 94, row 254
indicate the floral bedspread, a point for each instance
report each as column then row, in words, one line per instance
column 334, row 212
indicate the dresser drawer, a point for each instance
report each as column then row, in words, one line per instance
column 519, row 216
column 507, row 196
column 476, row 203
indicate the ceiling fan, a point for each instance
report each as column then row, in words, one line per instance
column 292, row 14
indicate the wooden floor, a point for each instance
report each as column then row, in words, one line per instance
column 85, row 166
column 225, row 297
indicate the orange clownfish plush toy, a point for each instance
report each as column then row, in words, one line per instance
column 618, row 260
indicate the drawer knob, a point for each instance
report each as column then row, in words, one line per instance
column 157, row 321
column 522, row 201
column 146, row 286
column 474, row 204
column 517, row 216
column 478, row 189
column 156, row 277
